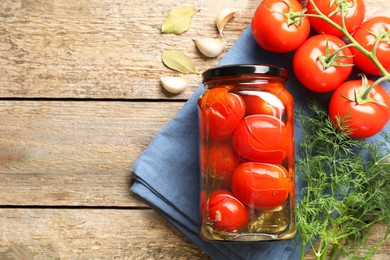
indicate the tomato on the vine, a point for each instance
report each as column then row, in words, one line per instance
column 226, row 212
column 360, row 116
column 260, row 185
column 278, row 25
column 366, row 35
column 354, row 12
column 321, row 65
column 221, row 112
column 221, row 161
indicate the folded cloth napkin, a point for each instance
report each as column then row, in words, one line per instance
column 167, row 172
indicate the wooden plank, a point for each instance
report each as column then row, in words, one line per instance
column 90, row 234
column 375, row 236
column 103, row 234
column 101, row 49
column 74, row 153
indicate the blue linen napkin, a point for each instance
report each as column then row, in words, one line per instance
column 167, row 172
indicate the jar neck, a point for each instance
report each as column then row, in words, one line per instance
column 245, row 80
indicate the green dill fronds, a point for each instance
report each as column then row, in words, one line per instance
column 347, row 185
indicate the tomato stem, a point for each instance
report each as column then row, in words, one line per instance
column 353, row 43
column 330, row 59
column 324, row 17
column 293, row 18
column 363, row 95
column 377, row 82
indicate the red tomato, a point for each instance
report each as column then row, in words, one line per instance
column 366, row 35
column 271, row 28
column 221, row 161
column 365, row 119
column 261, row 138
column 221, row 112
column 354, row 14
column 227, row 212
column 260, row 185
column 312, row 68
column 214, row 193
column 265, row 103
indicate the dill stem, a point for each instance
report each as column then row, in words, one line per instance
column 375, row 248
column 333, row 253
column 303, row 250
column 385, row 157
column 324, row 251
column 321, row 248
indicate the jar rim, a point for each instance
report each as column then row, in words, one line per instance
column 238, row 69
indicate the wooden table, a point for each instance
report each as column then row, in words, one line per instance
column 80, row 100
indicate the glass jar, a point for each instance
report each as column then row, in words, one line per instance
column 246, row 153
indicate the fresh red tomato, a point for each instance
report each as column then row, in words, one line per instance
column 260, row 185
column 221, row 161
column 261, row 138
column 316, row 69
column 220, row 112
column 364, row 119
column 354, row 13
column 366, row 36
column 227, row 212
column 274, row 31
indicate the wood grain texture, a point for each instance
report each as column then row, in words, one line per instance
column 90, row 234
column 101, row 49
column 65, row 164
column 105, row 49
column 74, row 153
column 103, row 234
column 63, row 153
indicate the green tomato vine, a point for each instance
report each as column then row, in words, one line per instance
column 382, row 35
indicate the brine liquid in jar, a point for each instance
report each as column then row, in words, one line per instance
column 246, row 154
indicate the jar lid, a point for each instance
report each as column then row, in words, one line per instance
column 238, row 69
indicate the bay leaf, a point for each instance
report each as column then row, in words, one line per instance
column 178, row 60
column 178, row 20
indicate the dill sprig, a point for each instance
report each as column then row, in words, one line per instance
column 347, row 187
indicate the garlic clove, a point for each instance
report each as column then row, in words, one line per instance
column 223, row 17
column 210, row 47
column 173, row 85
